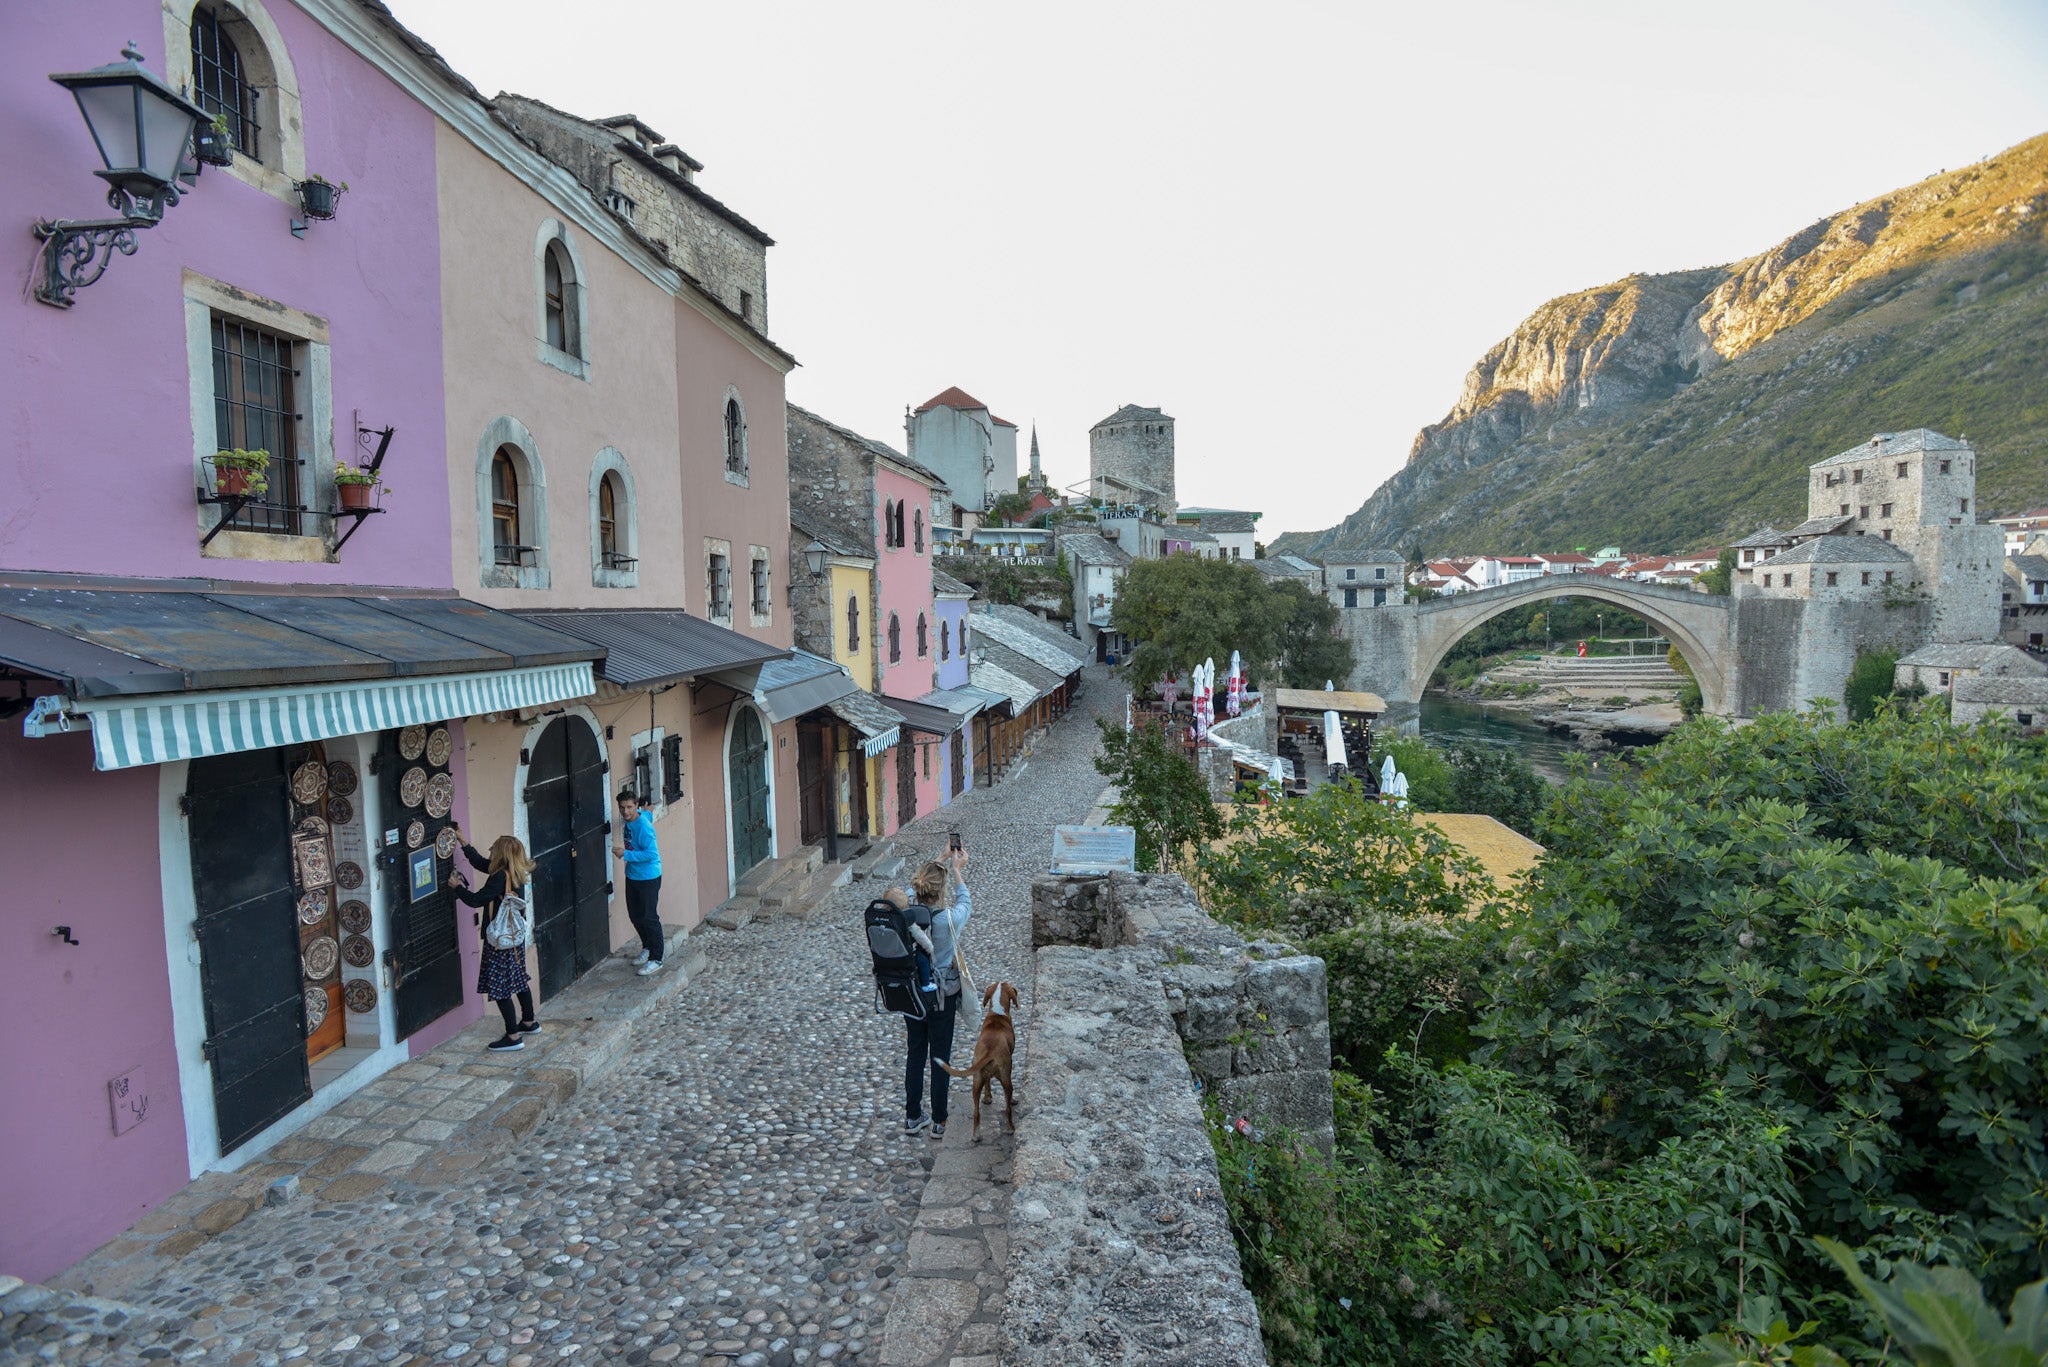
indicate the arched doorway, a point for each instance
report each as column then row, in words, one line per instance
column 566, row 823
column 748, row 804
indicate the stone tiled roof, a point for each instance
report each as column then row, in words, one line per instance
column 1228, row 522
column 1030, row 636
column 1898, row 444
column 1818, row 526
column 1988, row 657
column 946, row 583
column 1194, row 536
column 2003, row 690
column 1131, row 412
column 1765, row 535
column 830, row 540
column 1363, row 555
column 879, row 450
column 1840, row 550
column 1091, row 548
column 2029, row 566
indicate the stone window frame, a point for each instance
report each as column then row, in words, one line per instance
column 853, row 624
column 508, row 433
column 204, row 298
column 610, row 461
column 267, row 67
column 717, row 577
column 945, row 639
column 731, row 402
column 888, row 524
column 895, row 636
column 917, row 530
column 760, row 586
column 924, row 638
column 554, row 235
column 650, row 743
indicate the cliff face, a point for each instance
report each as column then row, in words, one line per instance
column 1670, row 411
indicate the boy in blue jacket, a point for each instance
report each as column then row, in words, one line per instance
column 637, row 847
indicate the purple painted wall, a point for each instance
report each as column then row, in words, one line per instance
column 85, row 1013
column 96, row 441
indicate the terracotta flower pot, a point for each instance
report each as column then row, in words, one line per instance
column 354, row 496
column 232, row 479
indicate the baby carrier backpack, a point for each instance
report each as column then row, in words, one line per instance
column 897, row 981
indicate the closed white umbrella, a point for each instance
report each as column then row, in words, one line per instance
column 1401, row 788
column 1387, row 773
column 1333, row 740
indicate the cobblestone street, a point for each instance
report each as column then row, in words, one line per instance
column 735, row 1192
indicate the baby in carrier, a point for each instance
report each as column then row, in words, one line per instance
column 920, row 917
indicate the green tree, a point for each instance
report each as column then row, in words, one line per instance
column 1160, row 794
column 1184, row 609
column 1720, row 578
column 1310, row 650
column 1009, row 509
column 1870, row 681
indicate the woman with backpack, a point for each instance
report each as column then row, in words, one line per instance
column 501, row 976
column 930, row 1040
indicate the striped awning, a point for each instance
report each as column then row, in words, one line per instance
column 127, row 732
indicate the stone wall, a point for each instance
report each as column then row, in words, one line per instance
column 1120, row 1246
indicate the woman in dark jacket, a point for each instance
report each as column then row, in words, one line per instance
column 501, row 975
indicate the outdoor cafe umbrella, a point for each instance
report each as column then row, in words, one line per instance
column 1387, row 773
column 1236, row 684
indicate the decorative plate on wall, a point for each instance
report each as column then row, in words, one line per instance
column 309, row 780
column 316, row 1008
column 416, row 835
column 355, row 917
column 341, row 779
column 447, row 842
column 314, row 862
column 349, row 874
column 313, row 907
column 340, row 810
column 319, row 958
column 440, row 795
column 411, row 741
column 358, row 952
column 311, row 825
column 361, row 995
column 439, row 747
column 413, row 786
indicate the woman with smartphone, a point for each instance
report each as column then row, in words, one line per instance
column 930, row 1041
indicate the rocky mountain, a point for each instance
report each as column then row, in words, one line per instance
column 1670, row 412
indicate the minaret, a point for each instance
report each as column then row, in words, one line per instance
column 1037, row 482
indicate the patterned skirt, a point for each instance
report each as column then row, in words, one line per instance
column 502, row 974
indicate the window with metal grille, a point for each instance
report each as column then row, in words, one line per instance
column 643, row 774
column 672, row 769
column 557, row 279
column 505, row 546
column 719, row 577
column 220, row 82
column 255, row 408
column 923, row 638
column 735, row 438
column 852, row 624
column 760, row 588
column 608, row 518
column 1351, row 598
column 895, row 639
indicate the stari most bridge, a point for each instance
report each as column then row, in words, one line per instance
column 1399, row 645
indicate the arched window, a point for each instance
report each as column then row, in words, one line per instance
column 900, row 538
column 888, row 523
column 924, row 646
column 558, row 278
column 945, row 639
column 221, row 83
column 917, row 523
column 505, row 508
column 735, row 437
column 608, row 518
column 852, row 624
column 895, row 639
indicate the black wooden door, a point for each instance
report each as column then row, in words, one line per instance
column 248, row 935
column 425, row 954
column 566, row 826
column 810, row 781
column 906, row 781
column 959, row 769
column 747, row 762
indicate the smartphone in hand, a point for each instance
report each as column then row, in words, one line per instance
column 953, row 842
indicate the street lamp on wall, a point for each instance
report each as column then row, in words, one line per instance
column 143, row 131
column 814, row 558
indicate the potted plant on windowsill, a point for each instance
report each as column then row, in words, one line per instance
column 355, row 486
column 239, row 472
column 317, row 195
column 213, row 144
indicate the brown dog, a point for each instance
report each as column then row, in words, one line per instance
column 992, row 1051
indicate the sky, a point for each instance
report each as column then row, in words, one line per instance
column 1293, row 226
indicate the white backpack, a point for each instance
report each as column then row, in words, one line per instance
column 511, row 925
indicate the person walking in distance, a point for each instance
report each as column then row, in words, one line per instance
column 501, row 976
column 642, row 855
column 930, row 1041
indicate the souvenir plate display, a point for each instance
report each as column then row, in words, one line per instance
column 440, row 795
column 309, row 780
column 411, row 741
column 340, row 810
column 439, row 747
column 446, row 842
column 314, row 862
column 312, row 907
column 349, row 874
column 355, row 917
column 415, row 835
column 357, row 951
column 316, row 1008
column 341, row 779
column 361, row 995
column 319, row 958
column 413, row 786
column 311, row 825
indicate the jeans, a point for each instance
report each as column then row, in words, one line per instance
column 641, row 895
column 930, row 1039
column 525, row 1010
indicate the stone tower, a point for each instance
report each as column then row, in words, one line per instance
column 1130, row 458
column 1036, row 484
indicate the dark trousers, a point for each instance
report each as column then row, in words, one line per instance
column 641, row 895
column 931, row 1039
column 525, row 1010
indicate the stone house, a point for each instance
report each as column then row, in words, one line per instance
column 2023, row 609
column 1235, row 531
column 1131, row 459
column 1944, row 667
column 971, row 450
column 1097, row 567
column 1363, row 577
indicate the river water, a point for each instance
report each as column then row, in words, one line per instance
column 1449, row 722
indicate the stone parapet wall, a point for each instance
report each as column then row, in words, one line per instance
column 1120, row 1247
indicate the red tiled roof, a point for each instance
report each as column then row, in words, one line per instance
column 1001, row 422
column 1572, row 558
column 953, row 397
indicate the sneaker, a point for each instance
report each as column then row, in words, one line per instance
column 644, row 957
column 528, row 1027
column 507, row 1044
column 914, row 1124
column 938, row 1129
column 650, row 968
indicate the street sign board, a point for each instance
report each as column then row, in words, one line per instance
column 1094, row 849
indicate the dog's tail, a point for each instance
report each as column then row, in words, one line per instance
column 968, row 1071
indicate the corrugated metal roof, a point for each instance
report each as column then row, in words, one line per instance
column 114, row 642
column 933, row 721
column 790, row 687
column 964, row 701
column 650, row 646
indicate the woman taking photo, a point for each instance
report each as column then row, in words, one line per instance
column 502, row 974
column 931, row 1039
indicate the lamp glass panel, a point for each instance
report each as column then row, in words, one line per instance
column 165, row 131
column 110, row 113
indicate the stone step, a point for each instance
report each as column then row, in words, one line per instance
column 888, row 868
column 759, row 876
column 734, row 912
column 787, row 884
column 879, row 852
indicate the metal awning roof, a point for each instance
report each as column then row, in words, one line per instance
column 790, row 687
column 1328, row 700
column 647, row 647
column 966, row 700
column 879, row 724
column 128, row 642
column 933, row 721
